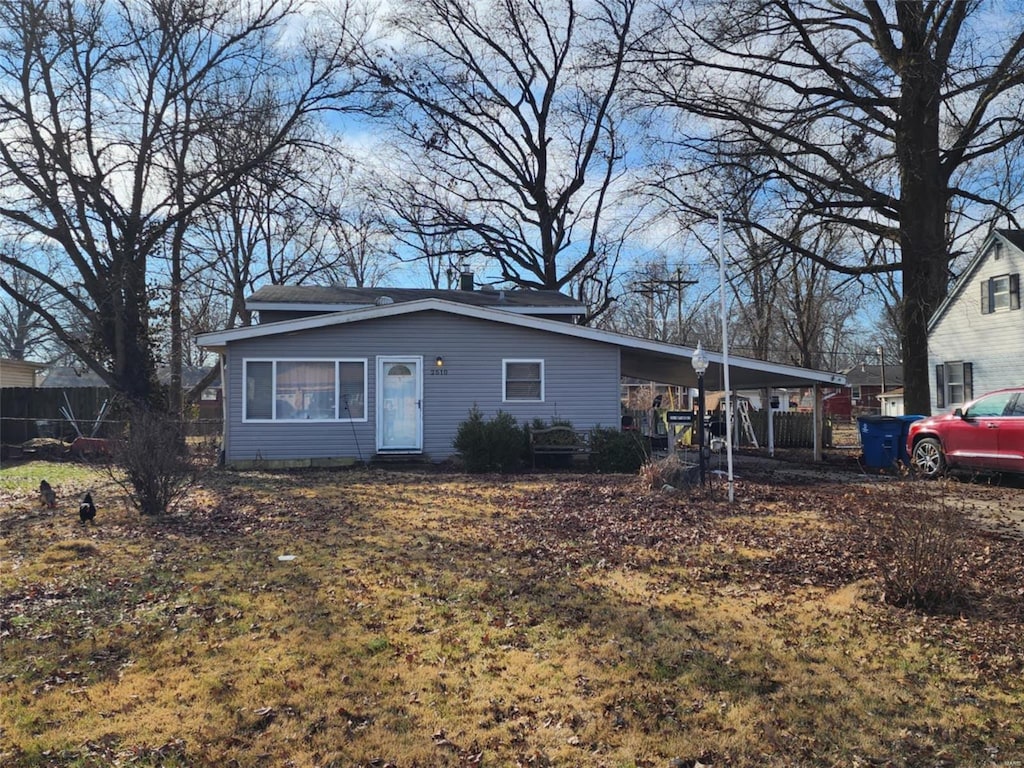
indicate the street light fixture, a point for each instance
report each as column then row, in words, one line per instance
column 700, row 365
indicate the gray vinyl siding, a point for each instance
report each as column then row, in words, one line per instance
column 992, row 343
column 581, row 382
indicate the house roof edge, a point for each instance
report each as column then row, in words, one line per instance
column 219, row 340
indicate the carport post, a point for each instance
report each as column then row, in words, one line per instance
column 700, row 365
column 224, row 411
column 817, row 421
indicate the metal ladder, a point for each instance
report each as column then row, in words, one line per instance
column 743, row 407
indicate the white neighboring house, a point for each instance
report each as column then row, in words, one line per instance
column 976, row 337
column 19, row 373
column 892, row 402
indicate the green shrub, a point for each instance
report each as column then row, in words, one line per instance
column 471, row 440
column 612, row 450
column 489, row 446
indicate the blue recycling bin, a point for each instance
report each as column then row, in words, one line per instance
column 883, row 439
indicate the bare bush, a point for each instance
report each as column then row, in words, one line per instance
column 670, row 470
column 151, row 461
column 921, row 539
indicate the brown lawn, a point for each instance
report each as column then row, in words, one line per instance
column 375, row 618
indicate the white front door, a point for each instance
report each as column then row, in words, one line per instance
column 400, row 404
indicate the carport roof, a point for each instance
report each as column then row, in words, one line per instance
column 639, row 357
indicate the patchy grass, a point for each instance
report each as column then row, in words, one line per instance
column 21, row 476
column 442, row 620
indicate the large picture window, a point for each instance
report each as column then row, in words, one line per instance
column 305, row 390
column 523, row 380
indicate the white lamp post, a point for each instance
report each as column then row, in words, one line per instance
column 700, row 365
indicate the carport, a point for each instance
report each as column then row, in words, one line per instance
column 673, row 364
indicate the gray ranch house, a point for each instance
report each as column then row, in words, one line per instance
column 330, row 374
column 976, row 335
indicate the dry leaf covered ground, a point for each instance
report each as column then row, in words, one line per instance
column 436, row 619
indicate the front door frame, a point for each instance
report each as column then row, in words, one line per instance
column 383, row 414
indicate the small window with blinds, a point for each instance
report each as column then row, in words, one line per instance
column 523, row 380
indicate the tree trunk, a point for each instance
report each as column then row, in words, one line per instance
column 174, row 389
column 133, row 365
column 925, row 258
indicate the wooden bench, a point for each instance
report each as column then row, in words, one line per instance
column 558, row 441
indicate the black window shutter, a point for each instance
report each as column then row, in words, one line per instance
column 968, row 381
column 1015, row 290
column 986, row 297
column 940, row 386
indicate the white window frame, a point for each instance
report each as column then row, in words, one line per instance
column 338, row 408
column 955, row 384
column 504, row 379
column 950, row 376
column 1000, row 293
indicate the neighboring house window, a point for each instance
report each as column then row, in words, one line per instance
column 523, row 380
column 305, row 390
column 1000, row 293
column 855, row 391
column 954, row 384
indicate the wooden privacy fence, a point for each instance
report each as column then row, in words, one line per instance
column 790, row 429
column 27, row 413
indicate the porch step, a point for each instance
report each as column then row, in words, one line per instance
column 400, row 459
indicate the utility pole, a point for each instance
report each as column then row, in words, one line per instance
column 679, row 304
column 881, row 368
column 650, row 286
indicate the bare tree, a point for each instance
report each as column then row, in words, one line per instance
column 510, row 112
column 95, row 136
column 299, row 222
column 814, row 313
column 783, row 307
column 23, row 333
column 355, row 229
column 755, row 281
column 868, row 115
column 788, row 308
column 201, row 312
column 415, row 215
